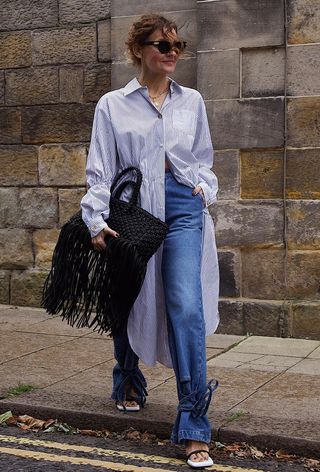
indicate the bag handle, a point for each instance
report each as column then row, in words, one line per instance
column 136, row 184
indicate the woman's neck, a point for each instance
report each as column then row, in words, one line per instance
column 156, row 84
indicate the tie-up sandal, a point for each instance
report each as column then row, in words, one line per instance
column 122, row 407
column 195, row 464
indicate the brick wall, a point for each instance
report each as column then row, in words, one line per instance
column 256, row 63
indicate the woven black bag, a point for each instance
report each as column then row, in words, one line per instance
column 82, row 279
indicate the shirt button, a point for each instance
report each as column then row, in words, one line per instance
column 161, row 145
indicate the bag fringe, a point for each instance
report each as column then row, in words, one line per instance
column 82, row 279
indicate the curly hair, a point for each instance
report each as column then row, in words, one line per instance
column 142, row 28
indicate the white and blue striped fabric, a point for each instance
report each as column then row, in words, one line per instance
column 129, row 130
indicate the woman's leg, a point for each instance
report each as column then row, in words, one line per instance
column 183, row 294
column 127, row 377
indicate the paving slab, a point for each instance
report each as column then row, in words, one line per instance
column 235, row 378
column 277, row 346
column 15, row 318
column 77, row 353
column 315, row 354
column 17, row 344
column 260, row 367
column 286, row 396
column 58, row 326
column 223, row 341
column 280, row 361
column 212, row 352
column 307, row 366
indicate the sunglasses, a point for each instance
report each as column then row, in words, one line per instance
column 165, row 46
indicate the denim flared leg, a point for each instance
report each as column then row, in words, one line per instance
column 126, row 371
column 181, row 265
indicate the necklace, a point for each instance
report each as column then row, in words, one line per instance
column 154, row 99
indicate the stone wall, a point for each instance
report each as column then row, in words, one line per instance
column 257, row 65
column 54, row 65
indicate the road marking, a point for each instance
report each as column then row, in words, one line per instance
column 76, row 460
column 38, row 455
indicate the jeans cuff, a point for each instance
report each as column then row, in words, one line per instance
column 203, row 436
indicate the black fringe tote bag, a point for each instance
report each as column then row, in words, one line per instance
column 98, row 289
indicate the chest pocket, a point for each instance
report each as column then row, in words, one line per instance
column 184, row 120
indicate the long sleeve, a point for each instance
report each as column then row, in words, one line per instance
column 203, row 151
column 101, row 168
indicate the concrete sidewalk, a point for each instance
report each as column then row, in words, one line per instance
column 269, row 392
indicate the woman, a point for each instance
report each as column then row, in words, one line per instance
column 161, row 127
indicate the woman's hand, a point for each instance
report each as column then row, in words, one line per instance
column 98, row 241
column 198, row 189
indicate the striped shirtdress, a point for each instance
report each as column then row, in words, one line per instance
column 129, row 130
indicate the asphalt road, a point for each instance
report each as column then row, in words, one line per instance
column 130, row 451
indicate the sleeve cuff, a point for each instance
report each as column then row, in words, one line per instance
column 206, row 191
column 96, row 226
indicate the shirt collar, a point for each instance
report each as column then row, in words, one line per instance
column 134, row 84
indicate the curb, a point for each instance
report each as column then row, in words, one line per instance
column 162, row 429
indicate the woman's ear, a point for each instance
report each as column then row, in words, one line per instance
column 137, row 51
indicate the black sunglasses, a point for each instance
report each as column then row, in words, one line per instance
column 165, row 46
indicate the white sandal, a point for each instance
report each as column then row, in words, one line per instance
column 122, row 407
column 198, row 464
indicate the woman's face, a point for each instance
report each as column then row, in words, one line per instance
column 153, row 61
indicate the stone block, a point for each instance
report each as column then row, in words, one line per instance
column 97, row 81
column 263, row 273
column 264, row 318
column 303, row 177
column 303, row 269
column 229, row 267
column 4, row 286
column 10, row 129
column 139, row 7
column 263, row 72
column 19, row 165
column 77, row 44
column 32, row 86
column 261, row 174
column 226, row 167
column 247, row 123
column 15, row 49
column 71, row 84
column 57, row 123
column 185, row 73
column 303, row 62
column 303, row 224
column 219, row 74
column 26, row 287
column 78, row 11
column 303, row 122
column 229, row 23
column 9, row 207
column 69, row 203
column 1, row 87
column 104, row 40
column 19, row 14
column 306, row 320
column 187, row 27
column 63, row 164
column 303, row 21
column 38, row 207
column 248, row 224
column 15, row 249
column 44, row 242
column 231, row 317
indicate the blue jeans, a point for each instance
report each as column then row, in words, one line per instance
column 181, row 263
